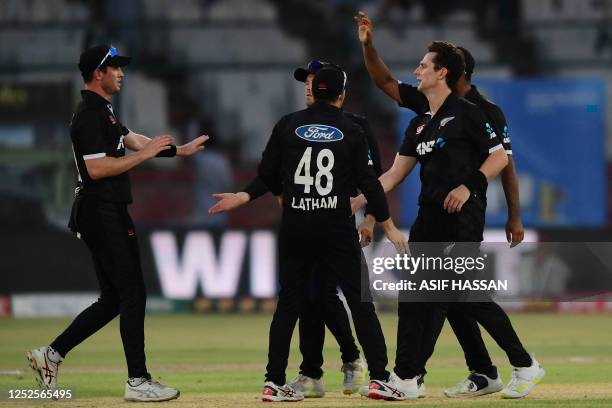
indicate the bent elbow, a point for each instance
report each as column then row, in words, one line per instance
column 94, row 175
column 94, row 172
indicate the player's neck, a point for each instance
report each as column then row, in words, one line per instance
column 93, row 87
column 463, row 88
column 436, row 97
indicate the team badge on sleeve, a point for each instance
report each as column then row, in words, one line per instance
column 490, row 131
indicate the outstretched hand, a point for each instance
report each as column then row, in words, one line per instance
column 156, row 145
column 196, row 145
column 228, row 201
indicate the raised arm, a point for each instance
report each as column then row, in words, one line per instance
column 379, row 72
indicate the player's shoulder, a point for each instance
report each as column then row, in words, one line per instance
column 85, row 112
column 491, row 109
column 469, row 109
column 291, row 118
column 360, row 119
column 466, row 105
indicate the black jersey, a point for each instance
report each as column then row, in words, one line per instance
column 96, row 132
column 256, row 188
column 414, row 100
column 317, row 158
column 450, row 146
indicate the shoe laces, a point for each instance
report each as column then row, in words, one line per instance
column 288, row 390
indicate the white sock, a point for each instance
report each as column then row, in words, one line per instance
column 54, row 355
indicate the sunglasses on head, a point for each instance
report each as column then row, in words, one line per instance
column 112, row 52
column 315, row 65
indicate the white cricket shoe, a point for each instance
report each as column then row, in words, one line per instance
column 45, row 370
column 277, row 393
column 523, row 380
column 475, row 385
column 395, row 389
column 149, row 390
column 421, row 390
column 308, row 386
column 354, row 376
column 364, row 390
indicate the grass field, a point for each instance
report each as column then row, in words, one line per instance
column 218, row 361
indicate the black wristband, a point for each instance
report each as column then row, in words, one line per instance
column 476, row 182
column 255, row 188
column 171, row 152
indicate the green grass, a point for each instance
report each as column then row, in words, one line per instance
column 223, row 357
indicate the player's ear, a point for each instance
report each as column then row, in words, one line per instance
column 342, row 96
column 442, row 72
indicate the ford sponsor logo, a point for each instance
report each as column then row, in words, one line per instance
column 319, row 133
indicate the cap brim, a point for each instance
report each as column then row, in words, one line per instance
column 118, row 61
column 301, row 74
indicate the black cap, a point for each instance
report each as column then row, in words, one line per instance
column 470, row 63
column 101, row 56
column 328, row 82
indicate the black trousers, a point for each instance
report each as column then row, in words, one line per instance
column 324, row 308
column 420, row 324
column 304, row 243
column 108, row 232
column 464, row 319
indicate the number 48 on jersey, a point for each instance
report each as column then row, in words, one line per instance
column 325, row 164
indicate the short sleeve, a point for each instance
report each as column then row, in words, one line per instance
column 89, row 135
column 504, row 132
column 408, row 147
column 412, row 98
column 482, row 132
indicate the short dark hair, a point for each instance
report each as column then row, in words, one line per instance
column 450, row 57
column 470, row 63
column 88, row 76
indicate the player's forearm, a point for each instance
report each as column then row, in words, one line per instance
column 135, row 141
column 112, row 166
column 380, row 74
column 377, row 202
column 389, row 180
column 494, row 164
column 511, row 188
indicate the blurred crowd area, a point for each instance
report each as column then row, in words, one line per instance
column 225, row 68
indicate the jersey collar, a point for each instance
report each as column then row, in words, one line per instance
column 93, row 98
column 473, row 96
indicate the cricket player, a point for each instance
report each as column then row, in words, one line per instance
column 314, row 159
column 101, row 219
column 483, row 378
column 333, row 314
